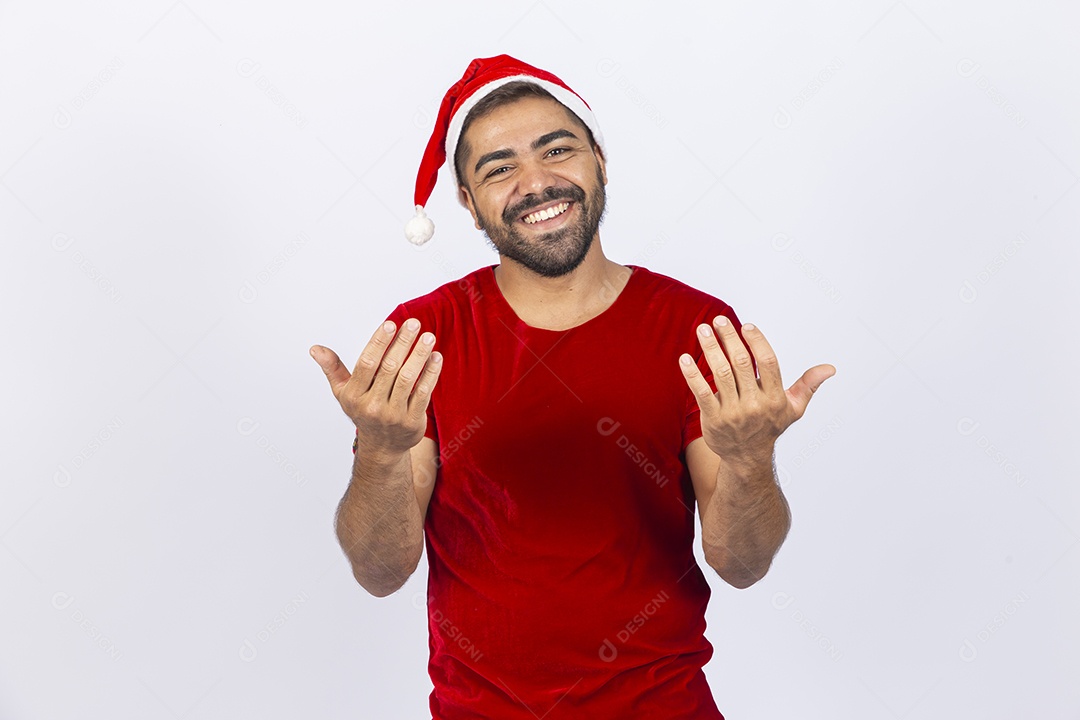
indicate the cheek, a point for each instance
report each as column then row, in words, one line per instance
column 496, row 206
column 489, row 209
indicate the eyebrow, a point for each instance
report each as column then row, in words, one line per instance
column 507, row 153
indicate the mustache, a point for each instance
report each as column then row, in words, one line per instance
column 572, row 193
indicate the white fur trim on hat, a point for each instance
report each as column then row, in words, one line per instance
column 566, row 97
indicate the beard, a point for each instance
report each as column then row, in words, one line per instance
column 554, row 253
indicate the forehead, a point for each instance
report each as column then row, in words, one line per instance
column 519, row 123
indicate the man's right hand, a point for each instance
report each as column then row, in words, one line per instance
column 380, row 397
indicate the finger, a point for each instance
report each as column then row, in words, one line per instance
column 368, row 362
column 767, row 365
column 386, row 374
column 723, row 377
column 742, row 364
column 706, row 399
column 331, row 365
column 418, row 402
column 804, row 388
column 410, row 371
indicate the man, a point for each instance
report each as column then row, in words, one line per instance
column 551, row 456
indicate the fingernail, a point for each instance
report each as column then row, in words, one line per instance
column 705, row 331
column 412, row 323
column 388, row 327
column 721, row 320
column 747, row 326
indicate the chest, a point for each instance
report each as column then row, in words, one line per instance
column 527, row 400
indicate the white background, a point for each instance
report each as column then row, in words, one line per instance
column 191, row 195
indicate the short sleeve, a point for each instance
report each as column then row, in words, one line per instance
column 692, row 420
column 399, row 316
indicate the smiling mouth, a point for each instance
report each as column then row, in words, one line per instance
column 541, row 217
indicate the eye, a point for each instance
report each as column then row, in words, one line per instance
column 495, row 172
column 560, row 150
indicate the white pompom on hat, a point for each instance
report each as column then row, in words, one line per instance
column 482, row 76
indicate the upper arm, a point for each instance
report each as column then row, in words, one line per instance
column 703, row 465
column 425, row 465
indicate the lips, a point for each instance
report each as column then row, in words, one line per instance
column 546, row 213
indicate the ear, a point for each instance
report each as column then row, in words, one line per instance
column 466, row 197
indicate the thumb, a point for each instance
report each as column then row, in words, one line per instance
column 336, row 372
column 803, row 389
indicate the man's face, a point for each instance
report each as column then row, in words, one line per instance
column 529, row 156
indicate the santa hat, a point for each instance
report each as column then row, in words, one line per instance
column 482, row 76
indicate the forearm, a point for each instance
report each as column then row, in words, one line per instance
column 378, row 523
column 746, row 521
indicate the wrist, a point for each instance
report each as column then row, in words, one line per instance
column 750, row 461
column 376, row 458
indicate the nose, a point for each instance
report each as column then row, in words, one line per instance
column 534, row 178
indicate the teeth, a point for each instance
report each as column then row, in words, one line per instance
column 546, row 214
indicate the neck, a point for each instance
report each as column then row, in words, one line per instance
column 586, row 291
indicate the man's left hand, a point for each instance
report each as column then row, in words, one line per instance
column 742, row 419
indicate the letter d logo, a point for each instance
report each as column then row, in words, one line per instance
column 62, row 600
column 966, row 67
column 246, row 67
column 62, row 118
column 781, row 242
column 781, row 600
column 248, row 293
column 966, row 426
column 968, row 293
column 782, row 118
column 606, row 426
column 245, row 426
column 248, row 653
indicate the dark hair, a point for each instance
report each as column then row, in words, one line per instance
column 504, row 95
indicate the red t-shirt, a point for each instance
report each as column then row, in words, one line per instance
column 562, row 579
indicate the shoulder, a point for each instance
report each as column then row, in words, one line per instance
column 679, row 297
column 446, row 301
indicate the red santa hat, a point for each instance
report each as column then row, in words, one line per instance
column 482, row 76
